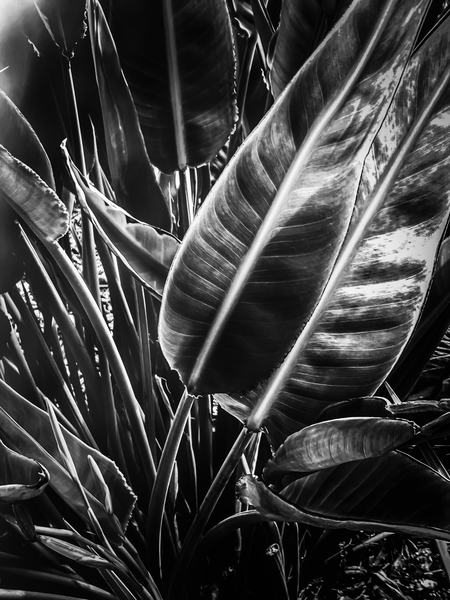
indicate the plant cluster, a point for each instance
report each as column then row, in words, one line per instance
column 224, row 297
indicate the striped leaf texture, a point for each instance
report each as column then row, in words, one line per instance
column 262, row 248
column 349, row 346
column 178, row 59
column 303, row 25
column 335, row 442
column 132, row 175
column 390, row 493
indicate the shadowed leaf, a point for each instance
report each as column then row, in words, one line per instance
column 389, row 493
column 178, row 59
column 132, row 175
column 64, row 21
column 27, row 429
column 21, row 478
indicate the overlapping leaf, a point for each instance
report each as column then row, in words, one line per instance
column 389, row 493
column 298, row 233
column 64, row 21
column 335, row 442
column 351, row 344
column 303, row 25
column 27, row 429
column 148, row 252
column 21, row 477
column 178, row 59
column 132, row 175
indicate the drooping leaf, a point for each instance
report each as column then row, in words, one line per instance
column 31, row 198
column 303, row 25
column 133, row 177
column 331, row 443
column 255, row 261
column 21, row 478
column 178, row 59
column 371, row 406
column 27, row 429
column 390, row 493
column 372, row 302
column 65, row 21
column 79, row 555
column 148, row 252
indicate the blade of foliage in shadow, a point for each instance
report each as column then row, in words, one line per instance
column 363, row 321
column 21, row 478
column 303, row 24
column 146, row 251
column 133, row 177
column 26, row 427
column 178, row 59
column 330, row 443
column 255, row 260
column 371, row 406
column 65, row 21
column 389, row 493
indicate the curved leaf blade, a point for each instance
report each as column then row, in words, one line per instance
column 21, row 478
column 255, row 261
column 27, row 429
column 132, row 175
column 303, row 24
column 178, row 59
column 374, row 308
column 146, row 251
column 331, row 443
column 65, row 21
column 389, row 493
column 32, row 199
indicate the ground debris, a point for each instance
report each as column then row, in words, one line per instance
column 392, row 567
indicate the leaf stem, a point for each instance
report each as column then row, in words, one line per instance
column 178, row 577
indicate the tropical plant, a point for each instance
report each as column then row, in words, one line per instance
column 224, row 270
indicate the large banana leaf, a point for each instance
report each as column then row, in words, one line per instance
column 65, row 21
column 259, row 254
column 390, row 493
column 178, row 59
column 132, row 175
column 349, row 347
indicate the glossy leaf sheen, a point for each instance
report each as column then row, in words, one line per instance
column 27, row 429
column 145, row 250
column 32, row 199
column 389, row 493
column 309, row 229
column 132, row 175
column 302, row 24
column 373, row 311
column 21, row 478
column 339, row 441
column 178, row 59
